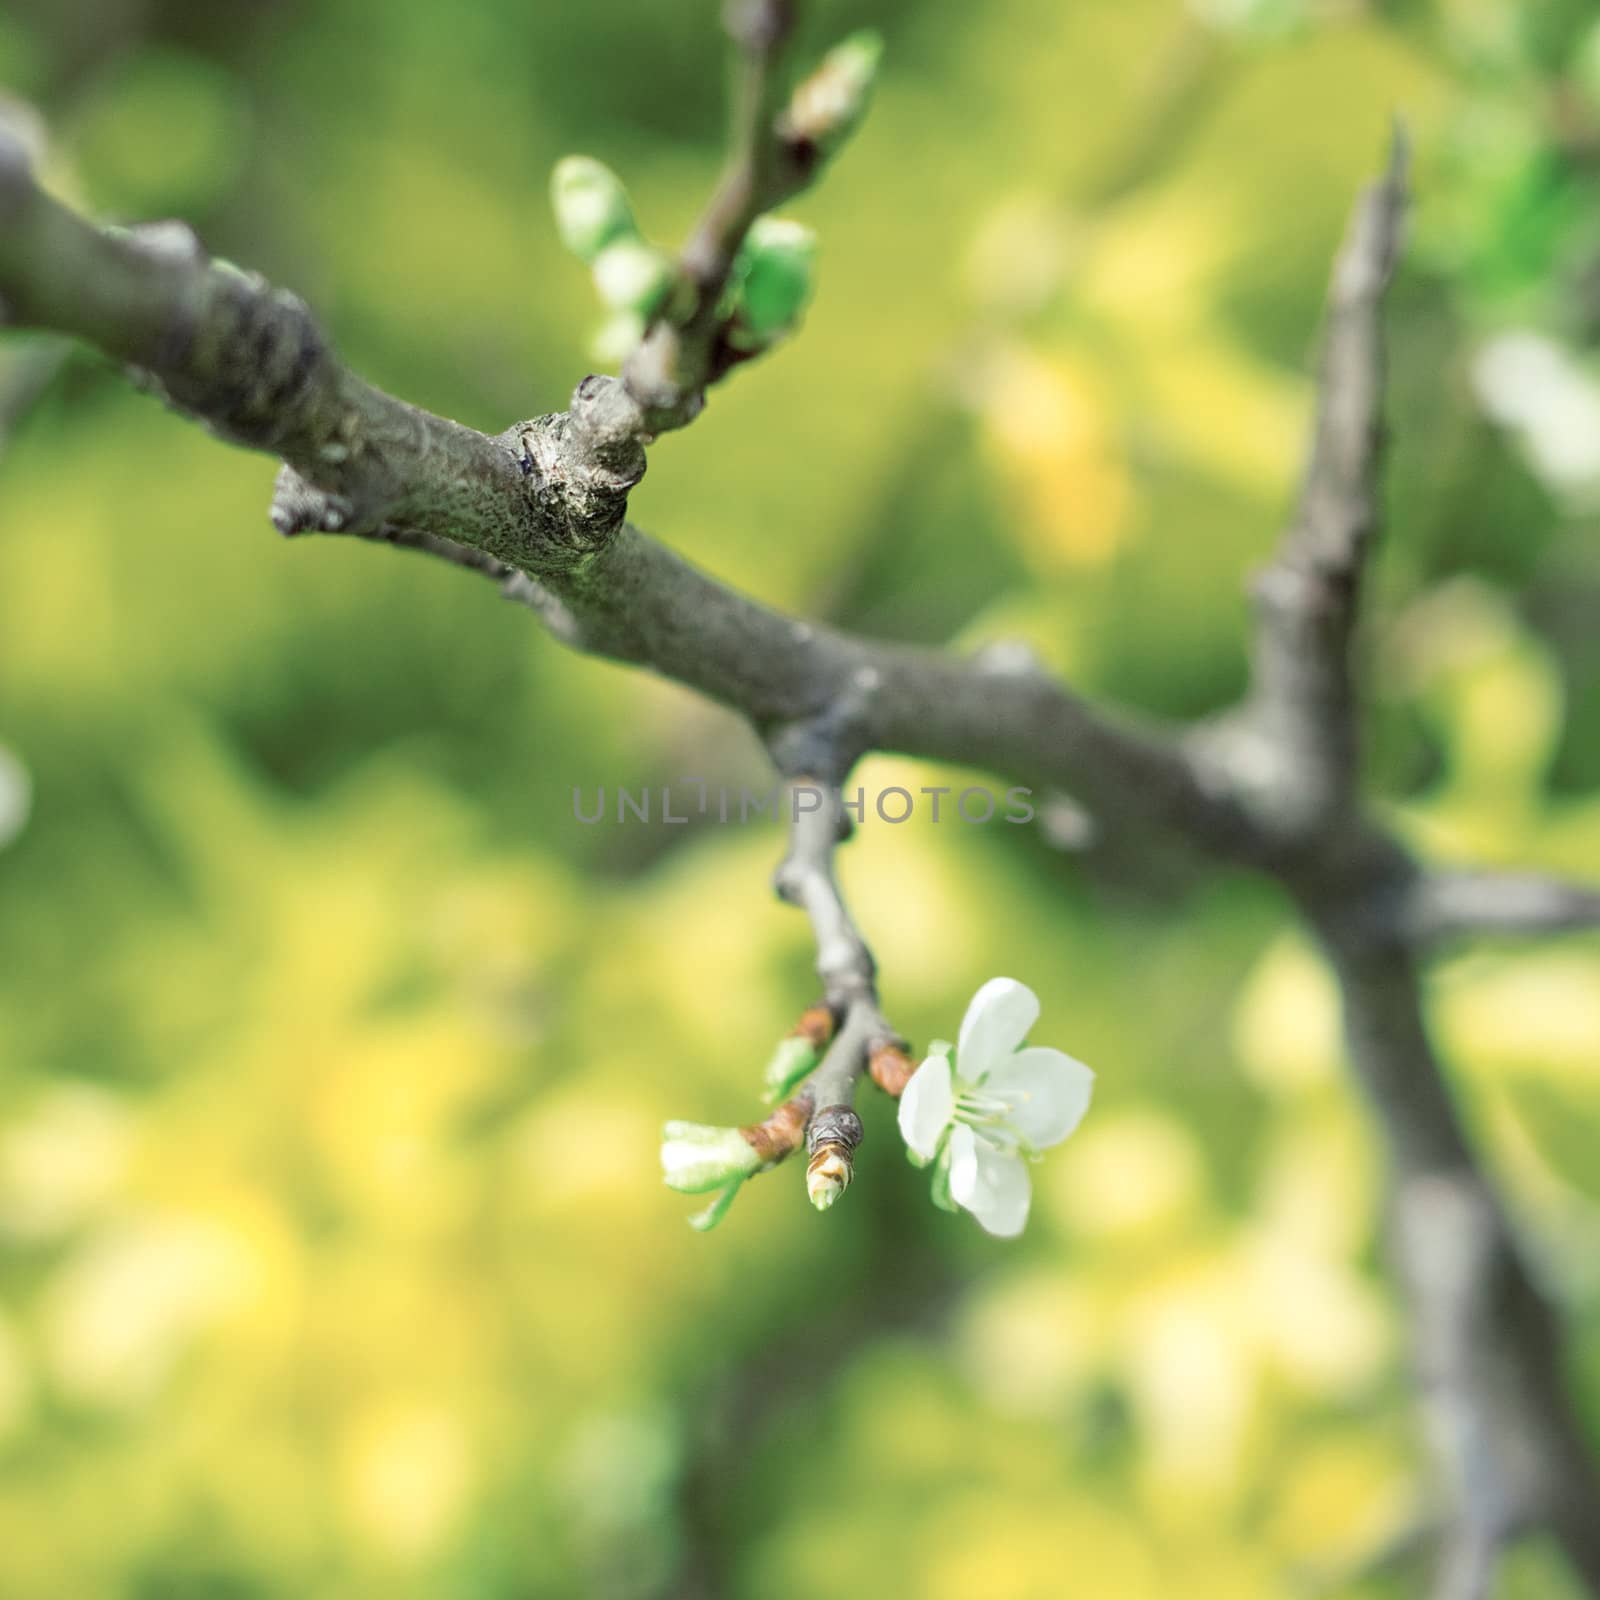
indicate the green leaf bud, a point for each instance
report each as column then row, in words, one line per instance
column 774, row 277
column 828, row 106
column 633, row 276
column 591, row 206
column 696, row 1157
column 790, row 1062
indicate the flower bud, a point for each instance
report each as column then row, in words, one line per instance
column 773, row 275
column 831, row 1138
column 696, row 1157
column 632, row 276
column 827, row 107
column 890, row 1067
column 591, row 206
column 828, row 1175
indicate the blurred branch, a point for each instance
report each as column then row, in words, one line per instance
column 1444, row 906
column 1304, row 700
column 1467, row 1566
column 668, row 370
column 1488, row 1345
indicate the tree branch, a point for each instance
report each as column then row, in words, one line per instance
column 250, row 362
column 1488, row 1345
column 805, row 878
column 640, row 603
column 1448, row 905
column 1303, row 708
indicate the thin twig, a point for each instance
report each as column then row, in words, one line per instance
column 1448, row 905
column 667, row 373
column 805, row 878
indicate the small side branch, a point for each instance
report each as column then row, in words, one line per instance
column 1304, row 702
column 767, row 164
column 758, row 174
column 805, row 878
column 1445, row 906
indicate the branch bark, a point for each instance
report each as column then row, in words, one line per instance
column 1445, row 906
column 805, row 878
column 1304, row 705
column 1488, row 1344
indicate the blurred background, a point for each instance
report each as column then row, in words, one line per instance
column 334, row 1259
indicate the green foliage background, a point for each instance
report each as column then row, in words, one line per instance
column 335, row 1261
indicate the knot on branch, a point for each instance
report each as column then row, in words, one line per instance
column 582, row 465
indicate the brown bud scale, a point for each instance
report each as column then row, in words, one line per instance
column 781, row 1133
column 890, row 1067
column 815, row 1026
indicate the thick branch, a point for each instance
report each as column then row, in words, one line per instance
column 1304, row 701
column 1445, row 906
column 638, row 602
column 542, row 499
column 250, row 362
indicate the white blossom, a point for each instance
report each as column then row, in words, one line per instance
column 980, row 1117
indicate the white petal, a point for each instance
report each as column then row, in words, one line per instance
column 926, row 1106
column 991, row 1184
column 1047, row 1091
column 962, row 1157
column 996, row 1022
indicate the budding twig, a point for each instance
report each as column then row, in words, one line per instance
column 777, row 146
column 1446, row 905
column 805, row 878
